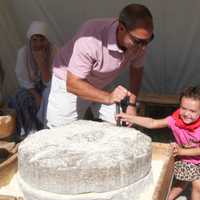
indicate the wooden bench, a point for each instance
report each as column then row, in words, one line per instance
column 146, row 99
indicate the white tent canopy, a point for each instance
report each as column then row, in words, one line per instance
column 173, row 58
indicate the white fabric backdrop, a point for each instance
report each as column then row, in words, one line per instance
column 173, row 58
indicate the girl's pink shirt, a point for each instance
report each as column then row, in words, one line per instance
column 185, row 137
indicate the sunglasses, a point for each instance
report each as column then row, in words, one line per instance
column 140, row 42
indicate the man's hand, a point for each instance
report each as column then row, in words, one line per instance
column 118, row 94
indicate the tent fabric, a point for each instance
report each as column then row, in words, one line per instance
column 173, row 57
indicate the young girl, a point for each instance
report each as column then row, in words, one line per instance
column 185, row 125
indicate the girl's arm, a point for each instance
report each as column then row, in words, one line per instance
column 146, row 122
column 179, row 151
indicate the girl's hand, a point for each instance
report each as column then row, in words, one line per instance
column 124, row 117
column 176, row 149
column 130, row 111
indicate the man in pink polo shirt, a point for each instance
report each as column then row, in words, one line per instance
column 92, row 60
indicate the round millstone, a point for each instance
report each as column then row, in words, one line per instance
column 84, row 157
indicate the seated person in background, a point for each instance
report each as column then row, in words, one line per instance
column 33, row 71
column 185, row 126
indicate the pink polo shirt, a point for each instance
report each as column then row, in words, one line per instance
column 93, row 54
column 185, row 137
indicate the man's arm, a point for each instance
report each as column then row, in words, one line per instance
column 136, row 75
column 85, row 90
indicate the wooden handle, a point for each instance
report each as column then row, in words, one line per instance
column 117, row 112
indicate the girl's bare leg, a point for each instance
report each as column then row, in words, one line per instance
column 177, row 189
column 195, row 190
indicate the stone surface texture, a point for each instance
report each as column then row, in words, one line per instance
column 84, row 157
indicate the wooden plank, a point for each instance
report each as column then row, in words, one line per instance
column 146, row 99
column 158, row 99
column 163, row 186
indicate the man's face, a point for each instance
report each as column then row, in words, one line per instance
column 138, row 38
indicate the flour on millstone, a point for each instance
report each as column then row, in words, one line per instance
column 84, row 158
